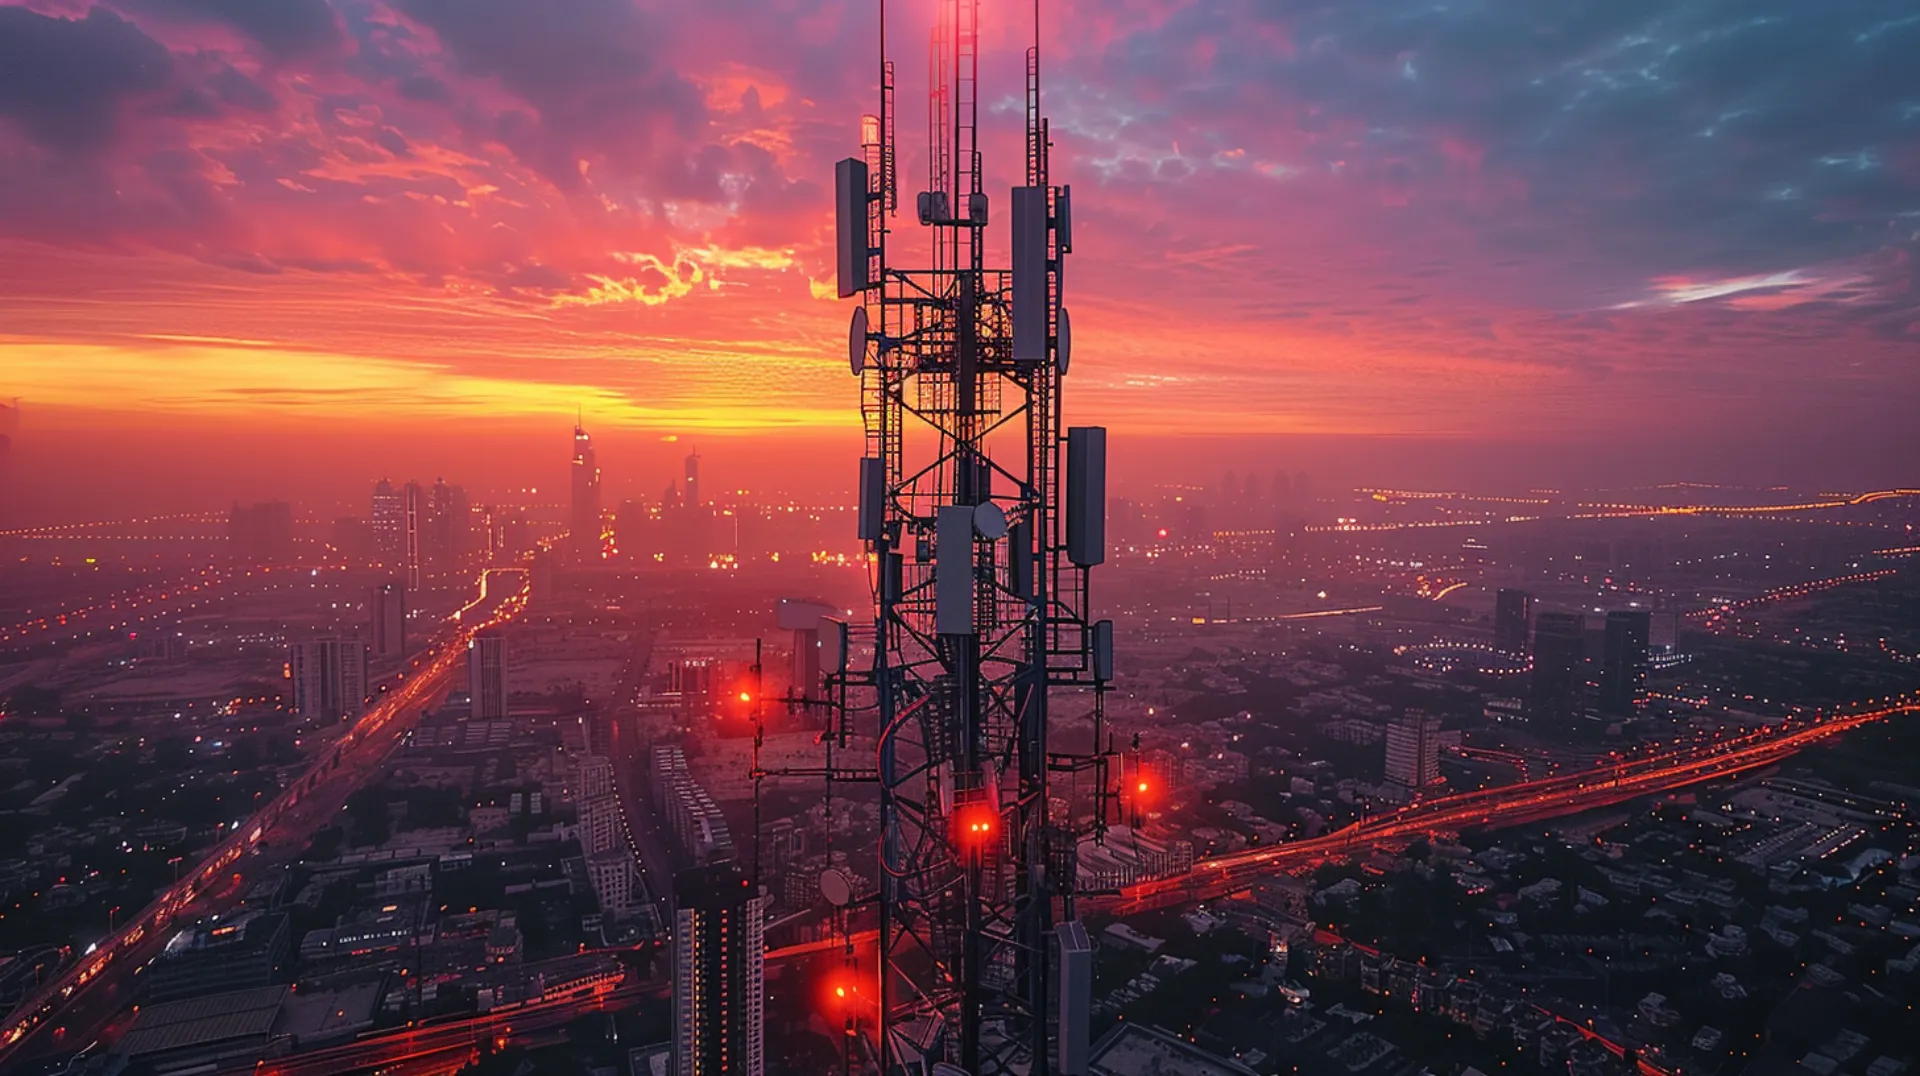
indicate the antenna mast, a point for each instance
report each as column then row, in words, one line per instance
column 983, row 517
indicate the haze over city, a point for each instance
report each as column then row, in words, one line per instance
column 580, row 536
column 1678, row 235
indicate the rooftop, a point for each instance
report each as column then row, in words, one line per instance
column 1137, row 1050
column 203, row 1021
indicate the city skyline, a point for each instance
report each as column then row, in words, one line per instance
column 1350, row 224
column 1456, row 612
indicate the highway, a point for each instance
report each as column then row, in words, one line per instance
column 444, row 1047
column 1712, row 614
column 130, row 610
column 69, row 530
column 1655, row 771
column 92, row 991
column 1529, row 801
column 1589, row 510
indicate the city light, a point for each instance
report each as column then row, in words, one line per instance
column 461, row 607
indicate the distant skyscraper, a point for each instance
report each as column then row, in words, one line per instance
column 718, row 973
column 1558, row 642
column 1623, row 667
column 414, row 510
column 329, row 678
column 1413, row 752
column 389, row 523
column 449, row 523
column 690, row 485
column 487, row 677
column 460, row 539
column 585, row 518
column 389, row 613
column 1512, row 613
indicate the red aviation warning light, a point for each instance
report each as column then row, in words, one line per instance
column 842, row 999
column 975, row 826
column 746, row 696
column 1143, row 787
column 1141, row 793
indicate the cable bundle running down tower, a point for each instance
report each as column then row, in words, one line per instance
column 983, row 516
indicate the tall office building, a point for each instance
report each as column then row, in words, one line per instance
column 389, row 523
column 329, row 678
column 388, row 607
column 1413, row 753
column 1075, row 1011
column 487, row 677
column 1512, row 614
column 690, row 483
column 718, row 973
column 1623, row 666
column 611, row 873
column 585, row 517
column 600, row 824
column 460, row 525
column 449, row 524
column 1558, row 642
column 413, row 513
column 596, row 776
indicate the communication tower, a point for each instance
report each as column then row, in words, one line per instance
column 983, row 516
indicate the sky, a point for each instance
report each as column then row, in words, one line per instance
column 244, row 242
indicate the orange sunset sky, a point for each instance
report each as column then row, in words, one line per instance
column 244, row 244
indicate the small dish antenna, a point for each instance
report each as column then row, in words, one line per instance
column 990, row 521
column 835, row 886
column 857, row 341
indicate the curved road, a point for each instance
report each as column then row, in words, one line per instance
column 443, row 1048
column 1508, row 805
column 91, row 992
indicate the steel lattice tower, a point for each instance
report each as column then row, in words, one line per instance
column 983, row 516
